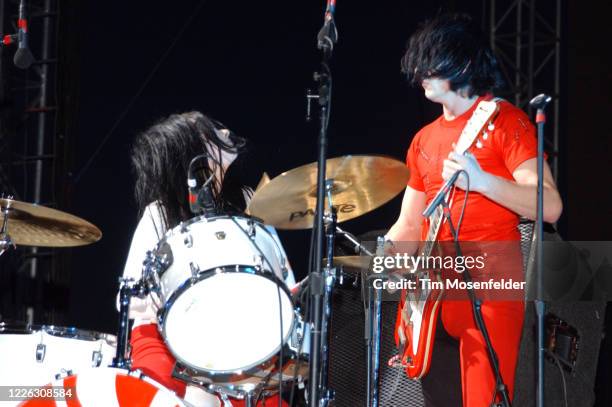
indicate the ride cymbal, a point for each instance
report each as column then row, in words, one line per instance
column 361, row 183
column 36, row 225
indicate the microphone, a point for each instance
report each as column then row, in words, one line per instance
column 23, row 56
column 539, row 102
column 328, row 35
column 441, row 194
column 193, row 197
column 201, row 199
column 206, row 201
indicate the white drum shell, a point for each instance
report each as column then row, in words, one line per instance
column 60, row 350
column 203, row 244
column 221, row 293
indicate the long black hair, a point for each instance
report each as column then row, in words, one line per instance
column 160, row 161
column 452, row 46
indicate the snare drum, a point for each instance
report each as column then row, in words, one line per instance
column 109, row 387
column 35, row 355
column 226, row 308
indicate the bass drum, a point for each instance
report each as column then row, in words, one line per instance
column 35, row 355
column 108, row 387
column 295, row 368
column 226, row 308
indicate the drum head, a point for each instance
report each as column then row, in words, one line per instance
column 228, row 321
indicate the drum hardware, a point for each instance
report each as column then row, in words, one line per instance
column 189, row 241
column 6, row 242
column 41, row 350
column 195, row 271
column 128, row 289
column 96, row 358
column 373, row 324
column 251, row 231
column 63, row 374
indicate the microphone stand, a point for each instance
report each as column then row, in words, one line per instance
column 318, row 394
column 373, row 325
column 539, row 102
column 500, row 387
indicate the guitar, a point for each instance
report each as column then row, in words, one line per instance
column 418, row 309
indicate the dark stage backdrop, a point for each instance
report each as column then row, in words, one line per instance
column 247, row 64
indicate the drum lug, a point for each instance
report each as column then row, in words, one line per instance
column 251, row 231
column 188, row 241
column 195, row 270
column 220, row 235
column 96, row 358
column 41, row 350
column 63, row 374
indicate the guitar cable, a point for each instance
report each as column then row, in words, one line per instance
column 467, row 192
column 500, row 386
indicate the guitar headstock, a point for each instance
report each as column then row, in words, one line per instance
column 482, row 117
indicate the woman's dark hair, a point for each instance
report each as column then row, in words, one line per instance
column 160, row 160
column 452, row 46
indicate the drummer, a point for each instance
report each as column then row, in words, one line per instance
column 160, row 159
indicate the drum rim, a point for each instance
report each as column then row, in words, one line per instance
column 69, row 332
column 197, row 219
column 188, row 283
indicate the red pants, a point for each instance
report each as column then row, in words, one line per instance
column 151, row 356
column 504, row 321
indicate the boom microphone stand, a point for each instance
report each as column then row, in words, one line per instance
column 500, row 386
column 318, row 394
column 539, row 102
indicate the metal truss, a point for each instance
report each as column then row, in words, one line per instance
column 28, row 154
column 526, row 37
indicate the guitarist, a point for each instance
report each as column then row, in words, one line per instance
column 449, row 57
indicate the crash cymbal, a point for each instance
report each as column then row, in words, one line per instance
column 361, row 183
column 36, row 225
column 357, row 262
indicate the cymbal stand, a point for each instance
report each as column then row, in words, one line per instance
column 126, row 291
column 373, row 311
column 6, row 243
column 355, row 241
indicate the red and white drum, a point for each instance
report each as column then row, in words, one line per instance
column 108, row 387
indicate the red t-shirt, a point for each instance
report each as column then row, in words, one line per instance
column 511, row 143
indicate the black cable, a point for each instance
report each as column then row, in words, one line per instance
column 467, row 191
column 558, row 363
column 306, row 306
column 282, row 340
column 131, row 103
column 500, row 387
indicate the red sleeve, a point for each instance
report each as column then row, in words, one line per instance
column 516, row 139
column 416, row 180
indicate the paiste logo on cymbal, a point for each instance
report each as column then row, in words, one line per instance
column 342, row 208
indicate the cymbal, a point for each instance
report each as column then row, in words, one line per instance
column 36, row 225
column 357, row 262
column 361, row 183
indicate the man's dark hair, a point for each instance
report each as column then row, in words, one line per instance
column 452, row 46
